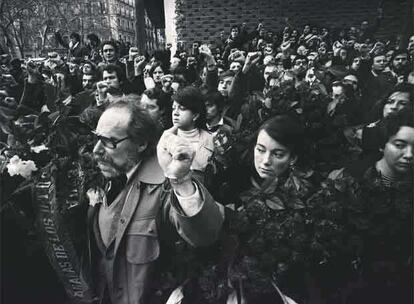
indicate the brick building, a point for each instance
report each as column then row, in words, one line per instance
column 189, row 20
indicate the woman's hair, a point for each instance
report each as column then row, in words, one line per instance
column 215, row 98
column 286, row 130
column 191, row 98
column 393, row 123
column 93, row 38
column 109, row 42
column 157, row 94
column 155, row 65
column 377, row 110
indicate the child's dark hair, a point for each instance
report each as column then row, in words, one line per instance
column 191, row 98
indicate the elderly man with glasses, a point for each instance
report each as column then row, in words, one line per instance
column 150, row 203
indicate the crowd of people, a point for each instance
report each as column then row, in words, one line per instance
column 264, row 167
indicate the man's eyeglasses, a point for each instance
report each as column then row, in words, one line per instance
column 110, row 143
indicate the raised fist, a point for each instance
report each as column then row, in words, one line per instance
column 175, row 155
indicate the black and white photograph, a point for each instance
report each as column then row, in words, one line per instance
column 206, row 151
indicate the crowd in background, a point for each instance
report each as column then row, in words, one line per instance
column 278, row 121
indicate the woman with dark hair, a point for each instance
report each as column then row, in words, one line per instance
column 276, row 195
column 379, row 224
column 189, row 122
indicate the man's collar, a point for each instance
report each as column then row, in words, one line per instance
column 220, row 123
column 375, row 74
column 148, row 171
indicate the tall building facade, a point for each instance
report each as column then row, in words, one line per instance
column 120, row 20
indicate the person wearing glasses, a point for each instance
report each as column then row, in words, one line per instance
column 149, row 204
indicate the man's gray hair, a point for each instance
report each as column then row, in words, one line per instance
column 141, row 127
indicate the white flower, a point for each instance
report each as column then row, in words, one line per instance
column 176, row 296
column 96, row 196
column 24, row 168
column 39, row 149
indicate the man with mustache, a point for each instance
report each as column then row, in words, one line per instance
column 158, row 204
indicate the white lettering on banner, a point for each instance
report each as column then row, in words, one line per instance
column 58, row 250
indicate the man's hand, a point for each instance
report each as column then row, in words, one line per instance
column 252, row 58
column 205, row 50
column 139, row 64
column 166, row 82
column 133, row 52
column 102, row 89
column 175, row 155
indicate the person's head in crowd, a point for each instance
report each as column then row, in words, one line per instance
column 378, row 63
column 236, row 66
column 214, row 103
column 352, row 31
column 220, row 70
column 269, row 50
column 112, row 76
column 154, row 102
column 397, row 134
column 178, row 82
column 363, row 49
column 225, row 82
column 279, row 144
column 302, row 50
column 269, row 69
column 339, row 92
column 310, row 75
column 312, row 59
column 351, row 80
column 188, row 109
column 262, row 33
column 350, row 44
column 314, row 30
column 364, row 25
column 109, row 51
column 234, row 32
column 400, row 98
column 399, row 61
column 355, row 64
column 92, row 40
column 343, row 54
column 270, row 36
column 88, row 81
column 299, row 66
column 410, row 78
column 126, row 134
column 388, row 56
column 323, row 49
column 74, row 38
column 306, row 29
column 294, row 34
column 410, row 47
column 273, row 80
column 157, row 72
column 175, row 63
column 88, row 67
